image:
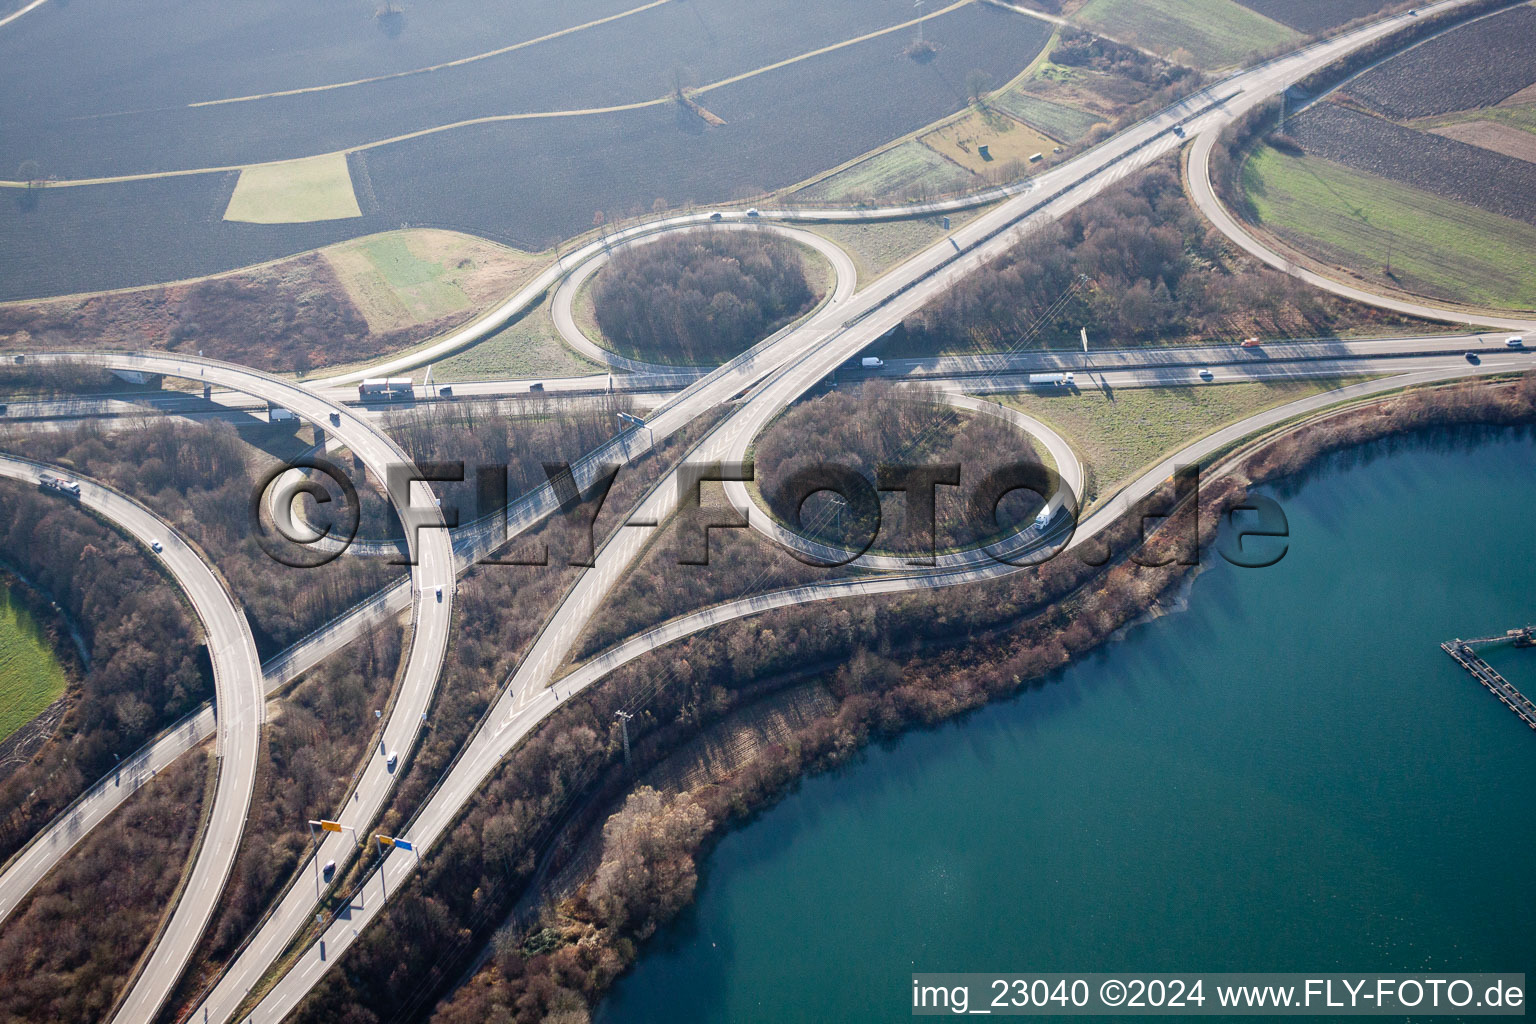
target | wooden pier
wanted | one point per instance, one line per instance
(1509, 696)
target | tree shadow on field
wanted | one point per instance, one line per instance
(26, 199)
(391, 23)
(689, 121)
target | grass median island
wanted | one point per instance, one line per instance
(1121, 433)
(1437, 247)
(295, 192)
(530, 346)
(877, 246)
(31, 677)
(1205, 33)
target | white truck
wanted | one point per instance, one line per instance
(61, 484)
(277, 414)
(1050, 380)
(871, 363)
(385, 389)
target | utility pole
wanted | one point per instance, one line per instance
(624, 717)
(1281, 127)
(917, 5)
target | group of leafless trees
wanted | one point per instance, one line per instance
(147, 664)
(200, 477)
(699, 299)
(1156, 272)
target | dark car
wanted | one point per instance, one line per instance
(1473, 359)
(538, 386)
(445, 392)
(717, 215)
(335, 419)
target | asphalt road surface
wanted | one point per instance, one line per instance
(239, 711)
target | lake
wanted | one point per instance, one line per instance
(1288, 774)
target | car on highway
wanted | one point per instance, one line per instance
(1515, 341)
(329, 871)
(536, 386)
(439, 593)
(1178, 130)
(1473, 358)
(1250, 343)
(753, 212)
(1207, 375)
(717, 215)
(445, 392)
(335, 419)
(156, 546)
(392, 760)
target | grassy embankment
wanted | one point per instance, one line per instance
(1204, 33)
(31, 678)
(1437, 247)
(406, 278)
(1118, 436)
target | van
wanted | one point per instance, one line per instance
(1515, 341)
(392, 760)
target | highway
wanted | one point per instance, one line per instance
(1280, 361)
(565, 293)
(434, 569)
(782, 370)
(239, 710)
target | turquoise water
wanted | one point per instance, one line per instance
(1288, 775)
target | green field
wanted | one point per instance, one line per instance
(1204, 33)
(901, 172)
(530, 347)
(1438, 248)
(31, 678)
(420, 284)
(1120, 435)
(294, 192)
(1066, 123)
(1522, 116)
(879, 245)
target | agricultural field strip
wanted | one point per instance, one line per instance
(141, 145)
(239, 695)
(1311, 17)
(528, 183)
(463, 778)
(127, 58)
(1203, 193)
(1443, 166)
(1470, 66)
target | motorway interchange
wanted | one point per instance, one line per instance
(762, 382)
